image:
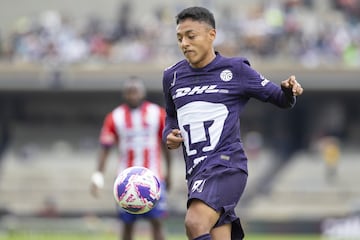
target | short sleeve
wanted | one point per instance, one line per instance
(108, 135)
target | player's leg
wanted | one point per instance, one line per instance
(157, 229)
(233, 184)
(213, 196)
(128, 220)
(157, 214)
(222, 232)
(200, 219)
(231, 231)
(128, 231)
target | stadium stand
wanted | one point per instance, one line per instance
(301, 191)
(305, 32)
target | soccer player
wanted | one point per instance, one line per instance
(205, 94)
(136, 127)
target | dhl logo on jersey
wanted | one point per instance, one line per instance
(187, 91)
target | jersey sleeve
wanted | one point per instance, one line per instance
(162, 117)
(171, 115)
(108, 136)
(257, 86)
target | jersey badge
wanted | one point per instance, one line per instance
(226, 75)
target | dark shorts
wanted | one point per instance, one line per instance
(158, 212)
(221, 188)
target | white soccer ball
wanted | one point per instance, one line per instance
(137, 190)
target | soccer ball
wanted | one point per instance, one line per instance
(137, 190)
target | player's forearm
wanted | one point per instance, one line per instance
(97, 177)
(170, 124)
(283, 98)
(102, 159)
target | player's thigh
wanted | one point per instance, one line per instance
(222, 232)
(200, 216)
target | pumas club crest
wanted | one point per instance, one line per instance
(226, 75)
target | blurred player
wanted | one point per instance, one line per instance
(135, 127)
(330, 150)
(205, 94)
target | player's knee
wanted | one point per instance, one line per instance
(195, 227)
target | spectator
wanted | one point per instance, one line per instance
(135, 127)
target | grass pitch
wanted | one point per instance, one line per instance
(112, 236)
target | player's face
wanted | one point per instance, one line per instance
(195, 40)
(133, 97)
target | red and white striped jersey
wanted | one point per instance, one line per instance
(137, 133)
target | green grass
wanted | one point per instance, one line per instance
(112, 236)
(283, 237)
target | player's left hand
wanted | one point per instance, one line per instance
(291, 82)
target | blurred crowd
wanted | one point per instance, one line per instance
(307, 32)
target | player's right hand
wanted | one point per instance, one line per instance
(174, 139)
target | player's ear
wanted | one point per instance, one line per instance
(212, 34)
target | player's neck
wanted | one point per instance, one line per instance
(206, 61)
(135, 106)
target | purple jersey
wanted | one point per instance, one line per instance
(206, 103)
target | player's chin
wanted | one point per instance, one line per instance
(193, 61)
(190, 58)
